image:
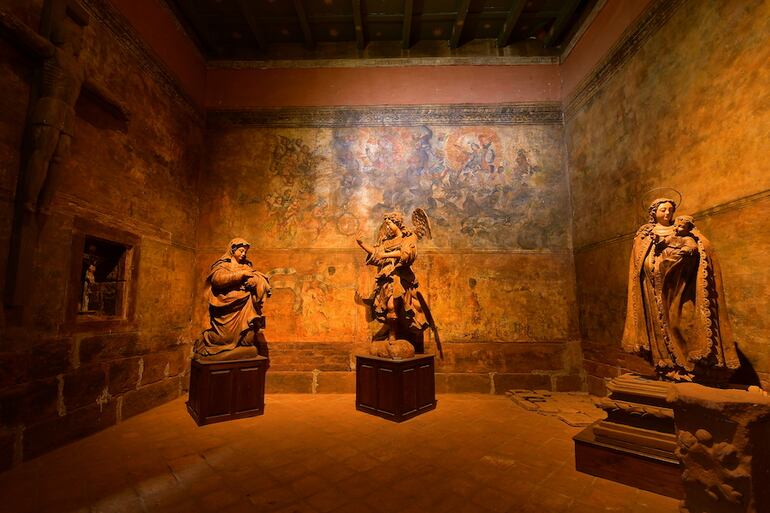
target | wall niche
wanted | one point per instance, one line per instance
(103, 277)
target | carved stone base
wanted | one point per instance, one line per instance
(226, 390)
(636, 443)
(724, 444)
(396, 390)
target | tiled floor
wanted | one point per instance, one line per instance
(316, 453)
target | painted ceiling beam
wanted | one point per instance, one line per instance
(406, 38)
(359, 24)
(457, 28)
(256, 31)
(302, 15)
(561, 22)
(510, 21)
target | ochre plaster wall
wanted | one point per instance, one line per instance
(497, 274)
(60, 382)
(689, 110)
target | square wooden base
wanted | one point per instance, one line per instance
(226, 390)
(396, 390)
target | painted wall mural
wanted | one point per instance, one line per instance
(484, 187)
(497, 273)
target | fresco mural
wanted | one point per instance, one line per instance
(484, 187)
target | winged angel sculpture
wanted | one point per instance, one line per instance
(396, 301)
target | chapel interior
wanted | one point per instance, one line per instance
(140, 138)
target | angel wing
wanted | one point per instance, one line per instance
(421, 224)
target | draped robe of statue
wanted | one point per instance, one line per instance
(235, 306)
(676, 314)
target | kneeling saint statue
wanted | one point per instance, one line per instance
(236, 294)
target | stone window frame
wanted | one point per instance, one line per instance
(85, 228)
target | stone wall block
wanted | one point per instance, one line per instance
(29, 402)
(289, 382)
(7, 445)
(505, 382)
(463, 383)
(158, 366)
(569, 383)
(109, 347)
(123, 375)
(336, 383)
(84, 386)
(49, 358)
(14, 367)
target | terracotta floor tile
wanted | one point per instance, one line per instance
(317, 454)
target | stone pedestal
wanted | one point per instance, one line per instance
(636, 443)
(724, 445)
(226, 390)
(396, 390)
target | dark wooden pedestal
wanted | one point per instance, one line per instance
(396, 390)
(226, 390)
(650, 472)
(635, 445)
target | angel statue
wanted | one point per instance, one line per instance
(396, 300)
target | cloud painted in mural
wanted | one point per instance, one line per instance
(499, 187)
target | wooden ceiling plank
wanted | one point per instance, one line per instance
(457, 28)
(510, 21)
(561, 22)
(407, 33)
(299, 8)
(359, 24)
(256, 31)
(200, 28)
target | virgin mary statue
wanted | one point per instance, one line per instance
(676, 316)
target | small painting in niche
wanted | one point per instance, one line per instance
(102, 278)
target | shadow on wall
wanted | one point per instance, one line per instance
(745, 375)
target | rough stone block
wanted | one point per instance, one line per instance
(123, 375)
(336, 383)
(289, 382)
(462, 383)
(49, 358)
(150, 396)
(505, 382)
(48, 435)
(596, 386)
(7, 443)
(569, 383)
(83, 386)
(14, 367)
(29, 402)
(159, 366)
(601, 369)
(109, 347)
(512, 357)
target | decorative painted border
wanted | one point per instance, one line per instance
(127, 37)
(632, 40)
(545, 113)
(384, 62)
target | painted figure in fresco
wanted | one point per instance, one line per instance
(236, 295)
(676, 315)
(396, 300)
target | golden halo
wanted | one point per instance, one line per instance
(661, 192)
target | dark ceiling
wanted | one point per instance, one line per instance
(340, 29)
